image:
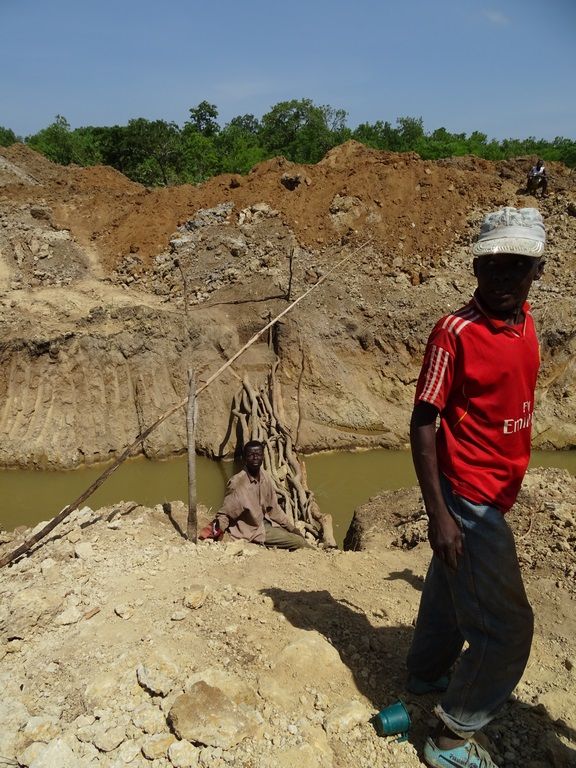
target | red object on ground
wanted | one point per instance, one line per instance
(211, 531)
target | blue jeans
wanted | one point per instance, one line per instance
(482, 603)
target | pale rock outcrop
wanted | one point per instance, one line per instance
(206, 715)
(298, 663)
(182, 754)
(154, 681)
(56, 755)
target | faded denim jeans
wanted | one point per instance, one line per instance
(482, 603)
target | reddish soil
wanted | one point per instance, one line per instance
(399, 197)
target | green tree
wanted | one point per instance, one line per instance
(565, 151)
(238, 145)
(203, 119)
(200, 156)
(438, 144)
(86, 147)
(477, 143)
(492, 151)
(153, 151)
(442, 143)
(378, 135)
(248, 124)
(301, 131)
(158, 152)
(7, 137)
(55, 141)
(411, 133)
(111, 145)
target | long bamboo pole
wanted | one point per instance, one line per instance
(192, 521)
(23, 548)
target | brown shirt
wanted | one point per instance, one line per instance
(247, 503)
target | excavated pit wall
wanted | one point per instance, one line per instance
(94, 349)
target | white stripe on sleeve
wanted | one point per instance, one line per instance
(437, 366)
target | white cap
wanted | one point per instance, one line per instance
(511, 230)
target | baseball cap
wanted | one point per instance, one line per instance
(511, 230)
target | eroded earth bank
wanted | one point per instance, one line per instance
(110, 291)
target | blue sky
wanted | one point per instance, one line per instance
(503, 67)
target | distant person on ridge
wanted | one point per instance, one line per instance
(250, 510)
(538, 172)
(478, 377)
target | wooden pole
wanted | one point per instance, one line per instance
(191, 413)
(23, 548)
(290, 274)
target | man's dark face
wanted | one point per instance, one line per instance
(504, 281)
(253, 458)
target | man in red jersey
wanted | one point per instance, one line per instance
(478, 376)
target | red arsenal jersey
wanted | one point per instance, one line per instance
(481, 375)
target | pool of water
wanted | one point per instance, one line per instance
(341, 482)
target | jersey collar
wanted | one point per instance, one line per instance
(500, 325)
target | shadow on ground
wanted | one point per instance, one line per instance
(523, 735)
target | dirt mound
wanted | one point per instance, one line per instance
(353, 190)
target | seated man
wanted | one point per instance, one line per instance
(250, 509)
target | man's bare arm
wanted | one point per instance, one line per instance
(443, 532)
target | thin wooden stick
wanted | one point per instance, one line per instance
(192, 522)
(23, 548)
(290, 273)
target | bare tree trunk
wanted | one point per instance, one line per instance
(191, 414)
(325, 521)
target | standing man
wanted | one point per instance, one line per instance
(479, 376)
(539, 173)
(250, 509)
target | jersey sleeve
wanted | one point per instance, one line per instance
(437, 373)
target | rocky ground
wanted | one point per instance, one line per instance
(109, 291)
(124, 644)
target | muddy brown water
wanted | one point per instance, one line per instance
(341, 482)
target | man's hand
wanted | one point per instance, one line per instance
(211, 531)
(444, 534)
(445, 538)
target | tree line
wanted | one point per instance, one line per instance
(157, 152)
